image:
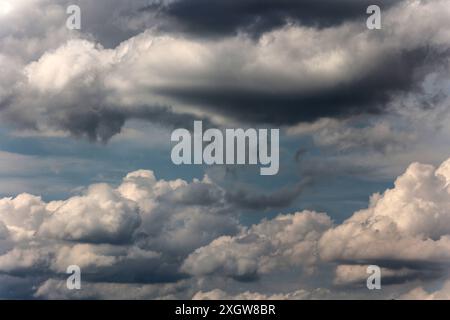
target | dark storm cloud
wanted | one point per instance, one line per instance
(101, 124)
(399, 72)
(225, 17)
(289, 75)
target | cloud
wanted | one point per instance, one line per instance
(297, 73)
(218, 294)
(286, 241)
(349, 135)
(136, 232)
(3, 231)
(404, 231)
(223, 18)
(282, 198)
(356, 275)
(406, 226)
(54, 289)
(159, 239)
(101, 216)
(296, 65)
(420, 293)
(379, 148)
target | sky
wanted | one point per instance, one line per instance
(86, 176)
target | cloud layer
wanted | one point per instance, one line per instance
(311, 67)
(178, 239)
(288, 74)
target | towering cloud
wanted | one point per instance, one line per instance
(407, 225)
(166, 237)
(138, 231)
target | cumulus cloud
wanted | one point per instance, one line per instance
(159, 239)
(286, 241)
(309, 66)
(23, 215)
(218, 294)
(137, 232)
(404, 231)
(406, 226)
(222, 18)
(297, 73)
(57, 290)
(102, 215)
(420, 293)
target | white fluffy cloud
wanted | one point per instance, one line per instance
(138, 229)
(22, 215)
(102, 215)
(284, 242)
(148, 230)
(409, 223)
(405, 231)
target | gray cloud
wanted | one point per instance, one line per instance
(225, 18)
(256, 201)
(153, 238)
(355, 276)
(405, 227)
(365, 94)
(56, 289)
(288, 75)
(419, 293)
(218, 294)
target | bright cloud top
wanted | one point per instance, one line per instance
(160, 233)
